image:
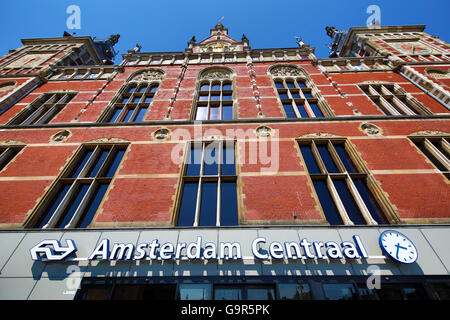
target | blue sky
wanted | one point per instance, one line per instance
(169, 25)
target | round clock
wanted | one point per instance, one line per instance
(412, 48)
(398, 246)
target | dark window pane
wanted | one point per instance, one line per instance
(6, 155)
(72, 206)
(339, 291)
(345, 159)
(290, 114)
(227, 87)
(148, 99)
(310, 161)
(153, 88)
(188, 204)
(99, 161)
(370, 202)
(142, 89)
(438, 145)
(430, 156)
(414, 292)
(140, 115)
(128, 115)
(195, 291)
(211, 159)
(131, 90)
(295, 95)
(440, 291)
(366, 294)
(208, 207)
(128, 292)
(55, 203)
(154, 292)
(294, 291)
(260, 293)
(228, 293)
(283, 96)
(115, 163)
(301, 84)
(290, 84)
(136, 99)
(307, 95)
(124, 100)
(117, 111)
(101, 293)
(401, 292)
(227, 113)
(228, 204)
(93, 206)
(327, 159)
(195, 159)
(315, 108)
(349, 203)
(327, 203)
(390, 292)
(279, 85)
(302, 110)
(228, 160)
(81, 165)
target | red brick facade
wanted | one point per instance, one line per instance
(145, 190)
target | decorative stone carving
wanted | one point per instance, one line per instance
(286, 71)
(6, 86)
(438, 73)
(429, 133)
(263, 131)
(370, 129)
(218, 46)
(149, 75)
(320, 135)
(10, 143)
(161, 134)
(60, 136)
(109, 140)
(216, 74)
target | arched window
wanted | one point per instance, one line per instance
(298, 94)
(214, 98)
(135, 97)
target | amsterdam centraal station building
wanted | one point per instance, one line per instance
(227, 172)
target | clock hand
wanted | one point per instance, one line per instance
(398, 249)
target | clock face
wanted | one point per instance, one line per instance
(398, 246)
(30, 60)
(412, 48)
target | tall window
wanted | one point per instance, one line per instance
(437, 150)
(209, 190)
(134, 98)
(393, 100)
(7, 153)
(297, 95)
(77, 194)
(342, 189)
(215, 95)
(43, 109)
